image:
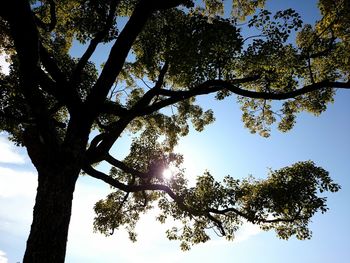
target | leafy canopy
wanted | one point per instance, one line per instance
(164, 54)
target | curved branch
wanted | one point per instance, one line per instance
(46, 83)
(103, 142)
(105, 178)
(96, 140)
(53, 18)
(130, 188)
(228, 210)
(153, 92)
(181, 203)
(106, 140)
(122, 166)
(218, 224)
(212, 86)
(287, 95)
(254, 219)
(208, 87)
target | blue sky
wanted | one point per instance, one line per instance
(225, 147)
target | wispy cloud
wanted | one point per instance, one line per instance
(3, 258)
(8, 153)
(247, 231)
(17, 194)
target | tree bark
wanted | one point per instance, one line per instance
(52, 211)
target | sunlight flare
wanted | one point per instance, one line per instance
(169, 172)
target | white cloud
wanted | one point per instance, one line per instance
(247, 231)
(17, 195)
(3, 258)
(17, 183)
(8, 153)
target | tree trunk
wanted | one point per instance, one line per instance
(52, 211)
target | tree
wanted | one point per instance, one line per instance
(167, 54)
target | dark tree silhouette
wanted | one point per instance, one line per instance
(167, 54)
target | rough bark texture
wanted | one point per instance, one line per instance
(52, 211)
(58, 170)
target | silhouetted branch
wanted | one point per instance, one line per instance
(208, 87)
(113, 108)
(102, 143)
(129, 188)
(253, 218)
(111, 160)
(212, 86)
(66, 93)
(180, 201)
(149, 95)
(94, 42)
(218, 224)
(118, 54)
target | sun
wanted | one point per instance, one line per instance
(169, 172)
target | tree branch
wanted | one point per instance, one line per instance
(106, 140)
(212, 86)
(149, 95)
(26, 40)
(113, 108)
(111, 160)
(310, 70)
(94, 42)
(161, 4)
(180, 201)
(255, 36)
(117, 57)
(47, 84)
(254, 219)
(129, 188)
(102, 143)
(65, 93)
(105, 178)
(287, 95)
(218, 224)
